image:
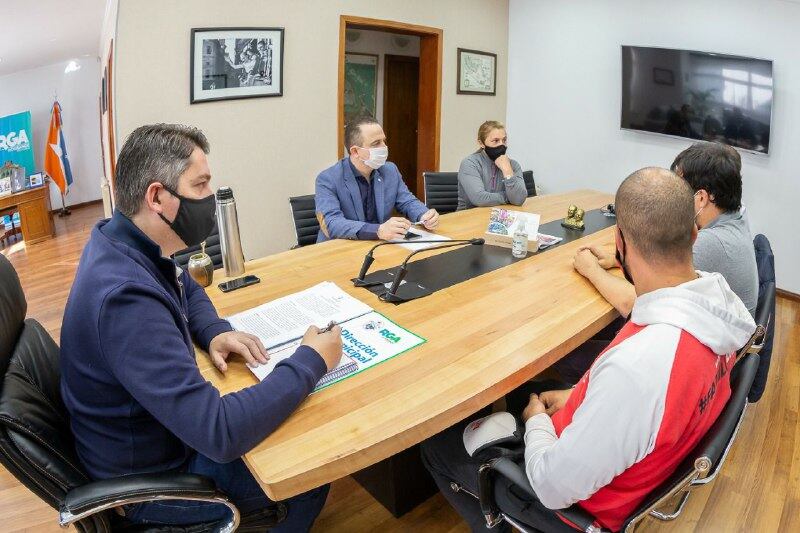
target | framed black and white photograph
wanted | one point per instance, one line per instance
(231, 63)
(477, 72)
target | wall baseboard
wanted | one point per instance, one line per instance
(789, 295)
(78, 206)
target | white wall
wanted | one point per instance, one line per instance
(381, 43)
(268, 149)
(564, 97)
(32, 90)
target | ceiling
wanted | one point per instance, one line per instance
(42, 32)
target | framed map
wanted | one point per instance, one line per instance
(360, 85)
(477, 72)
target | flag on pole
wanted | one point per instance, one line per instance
(56, 163)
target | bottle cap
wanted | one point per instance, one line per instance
(224, 193)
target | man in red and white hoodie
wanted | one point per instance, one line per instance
(650, 397)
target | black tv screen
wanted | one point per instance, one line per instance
(698, 95)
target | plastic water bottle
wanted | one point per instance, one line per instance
(229, 240)
(519, 244)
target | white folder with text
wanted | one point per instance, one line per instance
(368, 338)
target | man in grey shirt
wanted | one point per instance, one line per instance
(489, 177)
(723, 245)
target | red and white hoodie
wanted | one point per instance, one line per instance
(644, 404)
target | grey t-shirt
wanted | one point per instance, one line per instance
(726, 246)
(482, 184)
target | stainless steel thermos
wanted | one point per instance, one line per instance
(229, 240)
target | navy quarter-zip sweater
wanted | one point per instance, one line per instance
(129, 379)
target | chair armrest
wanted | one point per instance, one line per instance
(100, 495)
(515, 474)
(508, 469)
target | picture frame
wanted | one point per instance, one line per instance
(36, 180)
(235, 63)
(477, 72)
(360, 85)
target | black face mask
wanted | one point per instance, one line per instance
(621, 261)
(495, 151)
(194, 220)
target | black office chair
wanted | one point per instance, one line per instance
(213, 249)
(304, 214)
(37, 447)
(765, 313)
(530, 185)
(441, 191)
(699, 467)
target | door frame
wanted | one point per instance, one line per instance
(429, 116)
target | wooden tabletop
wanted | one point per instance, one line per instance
(486, 336)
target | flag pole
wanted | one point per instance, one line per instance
(65, 211)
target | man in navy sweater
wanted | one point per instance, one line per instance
(136, 398)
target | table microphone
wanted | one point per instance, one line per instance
(391, 294)
(368, 259)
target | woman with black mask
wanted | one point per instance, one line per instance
(489, 177)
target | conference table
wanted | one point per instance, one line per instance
(485, 337)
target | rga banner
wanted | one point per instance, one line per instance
(16, 141)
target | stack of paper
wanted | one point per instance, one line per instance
(420, 234)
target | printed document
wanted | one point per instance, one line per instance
(287, 319)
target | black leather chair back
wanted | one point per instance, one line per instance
(213, 249)
(717, 440)
(304, 214)
(36, 443)
(441, 191)
(530, 185)
(765, 312)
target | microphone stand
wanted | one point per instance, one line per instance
(391, 294)
(369, 258)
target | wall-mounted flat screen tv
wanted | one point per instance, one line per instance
(698, 95)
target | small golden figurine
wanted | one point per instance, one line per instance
(574, 218)
(579, 219)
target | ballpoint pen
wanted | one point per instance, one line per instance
(329, 327)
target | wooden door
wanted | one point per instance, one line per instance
(400, 113)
